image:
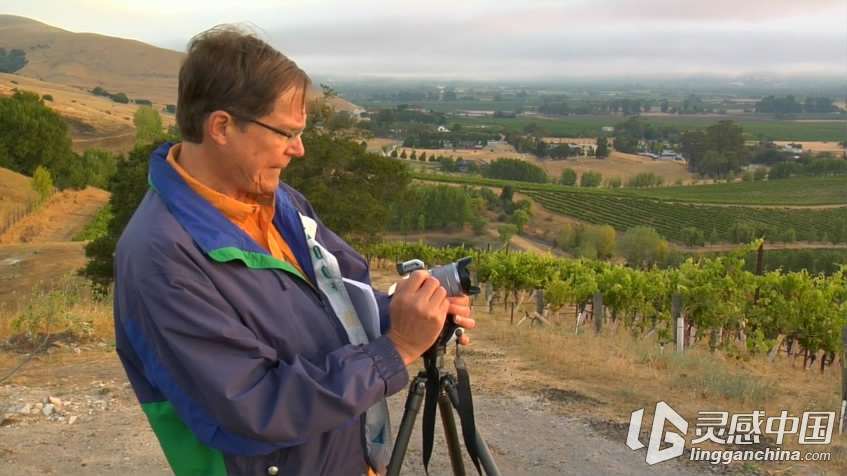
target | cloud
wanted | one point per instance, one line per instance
(500, 38)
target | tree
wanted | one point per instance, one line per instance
(507, 232)
(32, 135)
(604, 238)
(520, 218)
(602, 148)
(590, 179)
(148, 125)
(346, 185)
(507, 193)
(568, 177)
(642, 246)
(42, 183)
(478, 224)
(127, 185)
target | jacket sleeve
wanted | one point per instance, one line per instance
(223, 381)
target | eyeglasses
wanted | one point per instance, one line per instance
(287, 135)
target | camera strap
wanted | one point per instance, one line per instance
(465, 410)
(466, 414)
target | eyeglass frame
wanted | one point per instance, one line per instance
(288, 135)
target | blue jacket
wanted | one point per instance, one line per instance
(240, 364)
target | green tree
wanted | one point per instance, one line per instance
(590, 179)
(32, 134)
(520, 218)
(568, 177)
(127, 186)
(604, 238)
(99, 166)
(693, 236)
(602, 148)
(506, 232)
(148, 125)
(642, 246)
(506, 194)
(42, 183)
(478, 224)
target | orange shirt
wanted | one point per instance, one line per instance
(255, 218)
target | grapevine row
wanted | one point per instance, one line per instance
(717, 293)
(669, 219)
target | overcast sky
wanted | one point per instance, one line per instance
(491, 38)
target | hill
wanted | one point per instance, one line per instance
(83, 61)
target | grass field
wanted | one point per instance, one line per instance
(754, 128)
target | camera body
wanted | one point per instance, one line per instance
(454, 277)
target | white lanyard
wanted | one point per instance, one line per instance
(331, 282)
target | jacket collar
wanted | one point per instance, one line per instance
(213, 232)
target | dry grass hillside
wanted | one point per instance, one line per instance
(90, 117)
(69, 65)
(86, 60)
(15, 194)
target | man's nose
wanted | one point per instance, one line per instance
(296, 148)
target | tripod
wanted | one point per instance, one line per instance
(438, 385)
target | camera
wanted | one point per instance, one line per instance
(455, 278)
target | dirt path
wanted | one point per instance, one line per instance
(63, 216)
(70, 413)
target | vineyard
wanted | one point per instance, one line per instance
(799, 191)
(740, 312)
(671, 219)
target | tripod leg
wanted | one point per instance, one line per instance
(485, 459)
(452, 436)
(413, 405)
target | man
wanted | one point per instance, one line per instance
(232, 318)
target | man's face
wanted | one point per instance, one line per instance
(255, 157)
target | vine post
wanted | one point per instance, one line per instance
(597, 312)
(539, 301)
(679, 321)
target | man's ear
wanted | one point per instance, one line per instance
(218, 127)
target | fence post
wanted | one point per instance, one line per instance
(489, 295)
(597, 312)
(679, 321)
(539, 301)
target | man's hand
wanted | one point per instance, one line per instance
(460, 306)
(418, 309)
